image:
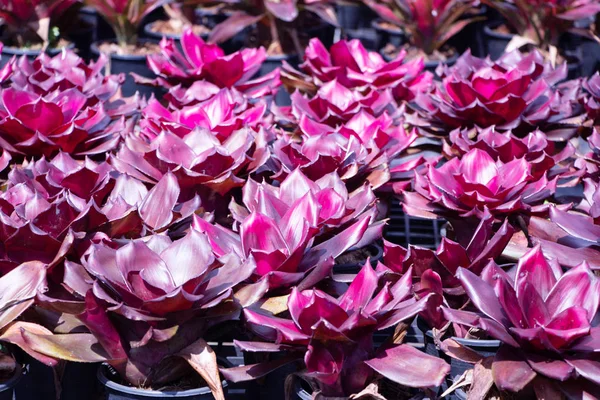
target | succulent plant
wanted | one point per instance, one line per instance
(34, 125)
(474, 184)
(336, 337)
(543, 154)
(518, 91)
(433, 271)
(149, 302)
(337, 207)
(334, 104)
(352, 66)
(51, 204)
(208, 62)
(287, 242)
(45, 75)
(544, 318)
(222, 114)
(361, 149)
(209, 148)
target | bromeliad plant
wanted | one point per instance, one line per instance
(434, 271)
(30, 23)
(149, 303)
(544, 155)
(222, 114)
(296, 230)
(334, 104)
(352, 66)
(280, 18)
(51, 207)
(429, 24)
(360, 150)
(475, 184)
(125, 17)
(201, 61)
(35, 125)
(335, 337)
(518, 91)
(542, 23)
(209, 147)
(45, 75)
(545, 319)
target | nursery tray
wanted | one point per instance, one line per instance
(404, 230)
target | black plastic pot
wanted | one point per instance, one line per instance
(9, 52)
(324, 32)
(496, 45)
(7, 388)
(471, 36)
(82, 38)
(272, 385)
(116, 391)
(79, 381)
(103, 29)
(591, 61)
(393, 36)
(352, 15)
(431, 66)
(129, 63)
(575, 63)
(495, 42)
(486, 348)
(282, 98)
(376, 252)
(368, 37)
(37, 381)
(210, 17)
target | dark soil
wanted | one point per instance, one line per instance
(62, 43)
(358, 256)
(141, 49)
(441, 55)
(171, 27)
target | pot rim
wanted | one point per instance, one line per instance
(422, 325)
(13, 380)
(107, 382)
(17, 51)
(428, 64)
(488, 30)
(95, 49)
(281, 57)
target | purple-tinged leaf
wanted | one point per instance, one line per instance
(408, 366)
(482, 295)
(204, 361)
(157, 208)
(511, 372)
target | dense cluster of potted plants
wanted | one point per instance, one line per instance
(224, 193)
